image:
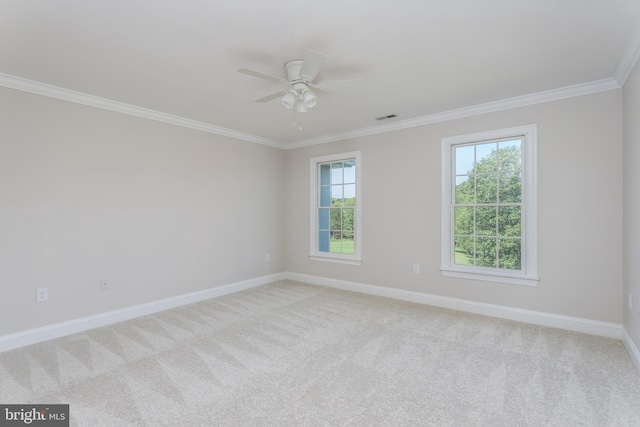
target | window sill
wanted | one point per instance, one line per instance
(513, 279)
(347, 261)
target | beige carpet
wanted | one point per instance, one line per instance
(295, 354)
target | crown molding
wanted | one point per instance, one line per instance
(19, 83)
(629, 57)
(489, 107)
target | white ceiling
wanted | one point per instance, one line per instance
(418, 58)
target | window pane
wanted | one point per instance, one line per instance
(464, 159)
(464, 189)
(509, 254)
(463, 220)
(510, 188)
(323, 241)
(350, 171)
(349, 192)
(347, 219)
(325, 196)
(336, 219)
(464, 249)
(323, 219)
(336, 173)
(510, 155)
(486, 220)
(348, 243)
(509, 221)
(336, 241)
(487, 188)
(324, 174)
(486, 158)
(486, 252)
(337, 193)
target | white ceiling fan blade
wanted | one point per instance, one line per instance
(271, 97)
(262, 75)
(335, 85)
(313, 62)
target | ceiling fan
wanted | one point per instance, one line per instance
(300, 76)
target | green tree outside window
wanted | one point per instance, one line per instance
(488, 204)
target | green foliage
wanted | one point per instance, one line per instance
(342, 216)
(341, 223)
(342, 246)
(487, 233)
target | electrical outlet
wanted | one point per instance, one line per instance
(42, 294)
(104, 285)
(267, 257)
(416, 268)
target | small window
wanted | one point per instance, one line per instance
(335, 212)
(489, 206)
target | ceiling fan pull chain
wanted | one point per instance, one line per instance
(297, 119)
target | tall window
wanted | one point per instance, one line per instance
(489, 206)
(335, 212)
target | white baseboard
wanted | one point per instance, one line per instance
(611, 330)
(632, 349)
(33, 336)
(576, 324)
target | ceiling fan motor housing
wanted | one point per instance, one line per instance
(293, 69)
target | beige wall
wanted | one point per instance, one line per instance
(158, 210)
(579, 196)
(632, 204)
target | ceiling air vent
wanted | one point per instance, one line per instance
(390, 116)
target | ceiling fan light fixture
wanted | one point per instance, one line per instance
(301, 108)
(309, 98)
(290, 99)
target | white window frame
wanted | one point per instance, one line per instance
(315, 254)
(529, 274)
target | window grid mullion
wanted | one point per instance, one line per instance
(475, 205)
